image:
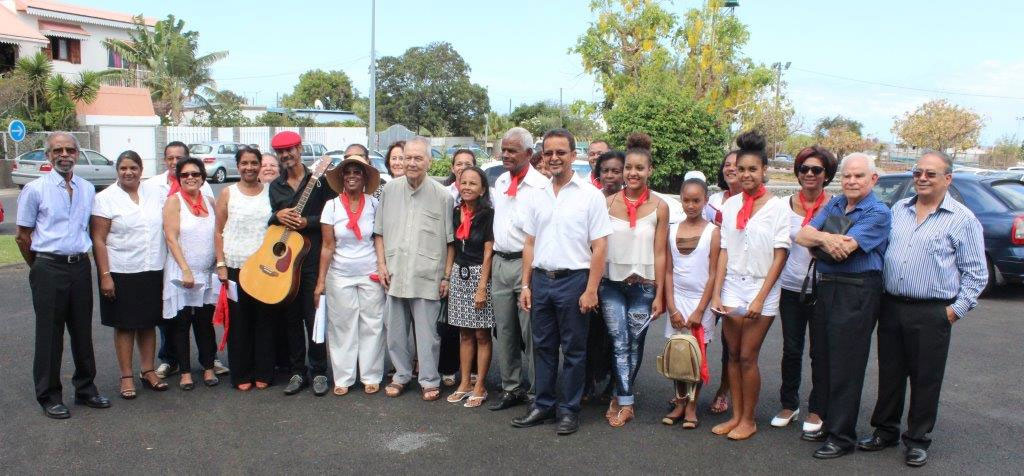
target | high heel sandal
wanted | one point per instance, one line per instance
(127, 394)
(160, 386)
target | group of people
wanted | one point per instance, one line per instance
(432, 278)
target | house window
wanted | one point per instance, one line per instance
(114, 59)
(65, 49)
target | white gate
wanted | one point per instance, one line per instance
(189, 135)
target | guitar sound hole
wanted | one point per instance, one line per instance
(280, 249)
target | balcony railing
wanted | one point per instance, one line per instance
(130, 78)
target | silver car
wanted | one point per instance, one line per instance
(218, 157)
(91, 166)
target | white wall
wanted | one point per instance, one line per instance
(94, 54)
(117, 139)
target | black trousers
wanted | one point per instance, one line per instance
(200, 320)
(448, 353)
(599, 353)
(62, 298)
(913, 343)
(250, 338)
(299, 316)
(796, 323)
(844, 318)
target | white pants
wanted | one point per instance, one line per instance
(355, 328)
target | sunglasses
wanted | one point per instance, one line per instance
(190, 175)
(917, 173)
(813, 169)
(63, 150)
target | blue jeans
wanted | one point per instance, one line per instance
(626, 307)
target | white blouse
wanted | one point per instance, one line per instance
(246, 225)
(352, 257)
(631, 250)
(793, 274)
(136, 240)
(751, 251)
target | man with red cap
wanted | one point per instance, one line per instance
(285, 192)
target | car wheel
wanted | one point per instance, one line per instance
(220, 176)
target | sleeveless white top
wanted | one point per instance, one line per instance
(631, 250)
(195, 236)
(246, 225)
(690, 272)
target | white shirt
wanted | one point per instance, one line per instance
(508, 229)
(159, 183)
(563, 225)
(793, 274)
(676, 213)
(713, 206)
(352, 257)
(136, 239)
(246, 224)
(751, 251)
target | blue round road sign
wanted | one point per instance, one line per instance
(17, 130)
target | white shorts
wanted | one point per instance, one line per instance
(740, 290)
(686, 306)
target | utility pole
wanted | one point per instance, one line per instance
(778, 67)
(561, 119)
(372, 132)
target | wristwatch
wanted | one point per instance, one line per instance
(221, 264)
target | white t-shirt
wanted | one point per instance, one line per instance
(751, 251)
(563, 225)
(508, 229)
(352, 257)
(136, 239)
(792, 277)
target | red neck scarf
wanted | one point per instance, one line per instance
(632, 207)
(353, 217)
(718, 211)
(175, 184)
(597, 182)
(197, 207)
(748, 207)
(513, 185)
(462, 233)
(810, 209)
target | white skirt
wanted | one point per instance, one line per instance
(686, 306)
(741, 290)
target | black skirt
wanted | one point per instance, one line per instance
(137, 303)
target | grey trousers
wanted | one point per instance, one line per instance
(399, 313)
(514, 340)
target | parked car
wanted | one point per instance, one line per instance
(1010, 174)
(1015, 168)
(376, 160)
(312, 151)
(218, 157)
(91, 165)
(999, 205)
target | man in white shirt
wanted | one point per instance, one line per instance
(566, 226)
(514, 341)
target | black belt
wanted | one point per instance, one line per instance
(509, 256)
(910, 300)
(69, 259)
(855, 279)
(558, 273)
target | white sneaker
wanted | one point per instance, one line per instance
(165, 370)
(219, 368)
(811, 427)
(781, 422)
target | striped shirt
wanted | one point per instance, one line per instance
(871, 223)
(941, 258)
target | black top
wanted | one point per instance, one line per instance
(471, 252)
(283, 196)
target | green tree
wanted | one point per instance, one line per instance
(685, 136)
(796, 142)
(775, 119)
(221, 108)
(333, 88)
(1004, 153)
(176, 72)
(939, 125)
(428, 88)
(827, 123)
(34, 70)
(524, 112)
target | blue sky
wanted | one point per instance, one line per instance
(519, 50)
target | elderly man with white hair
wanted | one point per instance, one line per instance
(849, 291)
(514, 338)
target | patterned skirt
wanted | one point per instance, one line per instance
(462, 288)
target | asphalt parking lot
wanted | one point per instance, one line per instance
(219, 430)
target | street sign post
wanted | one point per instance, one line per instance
(16, 129)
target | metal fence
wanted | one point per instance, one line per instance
(36, 140)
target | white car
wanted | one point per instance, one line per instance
(91, 166)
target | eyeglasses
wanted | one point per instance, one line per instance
(560, 153)
(63, 150)
(190, 175)
(813, 169)
(917, 173)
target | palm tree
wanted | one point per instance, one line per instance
(36, 71)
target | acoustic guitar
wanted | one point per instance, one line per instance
(271, 274)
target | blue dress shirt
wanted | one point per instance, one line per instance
(871, 222)
(60, 221)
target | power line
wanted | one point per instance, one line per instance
(911, 88)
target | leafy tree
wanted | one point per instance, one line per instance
(428, 88)
(176, 70)
(524, 112)
(333, 88)
(13, 93)
(539, 117)
(61, 96)
(221, 108)
(685, 136)
(796, 142)
(841, 141)
(1004, 153)
(774, 119)
(939, 125)
(34, 70)
(827, 123)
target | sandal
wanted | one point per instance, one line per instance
(430, 394)
(394, 389)
(620, 419)
(457, 396)
(721, 404)
(690, 424)
(340, 391)
(159, 386)
(371, 388)
(244, 387)
(613, 409)
(261, 385)
(672, 420)
(475, 400)
(128, 393)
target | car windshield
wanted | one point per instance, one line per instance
(34, 156)
(199, 149)
(1012, 193)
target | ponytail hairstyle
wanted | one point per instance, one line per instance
(640, 144)
(751, 143)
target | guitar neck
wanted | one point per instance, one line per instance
(306, 192)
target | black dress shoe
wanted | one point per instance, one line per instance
(320, 385)
(875, 443)
(830, 450)
(94, 401)
(916, 457)
(568, 424)
(295, 385)
(57, 411)
(818, 436)
(535, 417)
(508, 400)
